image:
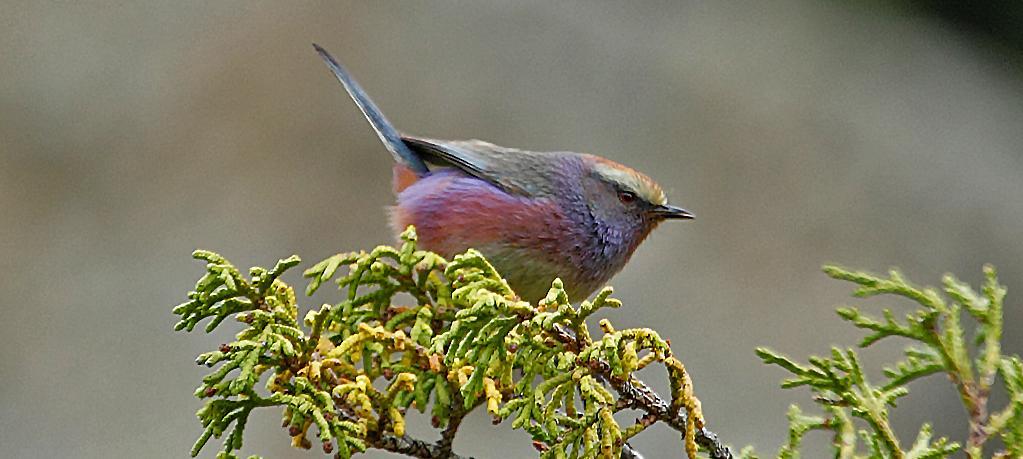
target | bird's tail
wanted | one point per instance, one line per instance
(385, 130)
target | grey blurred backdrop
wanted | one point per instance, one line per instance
(800, 133)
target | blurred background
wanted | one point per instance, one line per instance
(872, 135)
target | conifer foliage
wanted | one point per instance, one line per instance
(352, 371)
(348, 374)
(938, 346)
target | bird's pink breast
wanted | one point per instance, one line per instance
(452, 212)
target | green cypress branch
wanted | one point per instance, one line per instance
(353, 369)
(935, 328)
(467, 341)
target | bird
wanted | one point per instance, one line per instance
(535, 216)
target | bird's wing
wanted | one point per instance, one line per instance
(513, 170)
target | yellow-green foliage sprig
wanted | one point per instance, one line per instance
(509, 343)
(466, 340)
(939, 346)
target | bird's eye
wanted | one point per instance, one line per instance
(626, 197)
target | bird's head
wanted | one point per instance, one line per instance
(625, 200)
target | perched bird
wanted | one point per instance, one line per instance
(535, 215)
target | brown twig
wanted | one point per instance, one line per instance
(637, 395)
(447, 437)
(408, 446)
(414, 447)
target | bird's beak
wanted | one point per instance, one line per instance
(667, 211)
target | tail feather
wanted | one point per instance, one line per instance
(385, 130)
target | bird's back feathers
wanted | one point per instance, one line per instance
(501, 166)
